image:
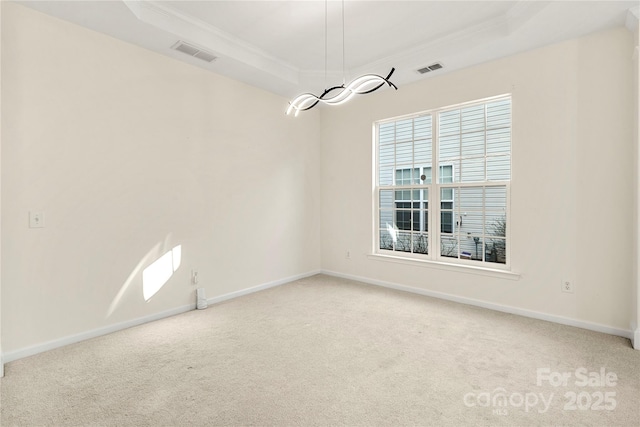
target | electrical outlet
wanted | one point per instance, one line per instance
(194, 277)
(567, 286)
(347, 254)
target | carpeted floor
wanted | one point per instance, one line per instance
(327, 351)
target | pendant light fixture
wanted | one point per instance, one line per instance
(337, 95)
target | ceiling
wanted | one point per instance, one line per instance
(279, 46)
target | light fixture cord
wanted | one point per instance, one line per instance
(325, 42)
(344, 78)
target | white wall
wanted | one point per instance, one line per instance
(128, 154)
(571, 208)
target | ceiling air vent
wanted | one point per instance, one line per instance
(194, 51)
(432, 67)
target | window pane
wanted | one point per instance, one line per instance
(449, 246)
(403, 219)
(386, 199)
(386, 175)
(471, 198)
(422, 152)
(498, 168)
(446, 222)
(404, 153)
(499, 141)
(426, 172)
(386, 219)
(499, 113)
(449, 147)
(408, 214)
(420, 243)
(422, 127)
(449, 122)
(403, 195)
(447, 206)
(446, 194)
(471, 223)
(446, 174)
(422, 145)
(495, 251)
(495, 224)
(386, 154)
(407, 176)
(473, 144)
(386, 133)
(496, 198)
(471, 247)
(416, 220)
(472, 170)
(404, 130)
(472, 118)
(403, 242)
(424, 214)
(386, 239)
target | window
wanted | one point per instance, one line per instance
(461, 158)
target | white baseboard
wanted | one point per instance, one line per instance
(72, 339)
(50, 345)
(262, 287)
(636, 338)
(497, 307)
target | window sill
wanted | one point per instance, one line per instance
(469, 269)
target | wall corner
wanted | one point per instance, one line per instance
(633, 24)
(1, 361)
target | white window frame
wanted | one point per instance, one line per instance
(434, 197)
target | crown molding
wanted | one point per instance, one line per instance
(467, 38)
(436, 49)
(284, 77)
(221, 43)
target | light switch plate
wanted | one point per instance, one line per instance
(36, 219)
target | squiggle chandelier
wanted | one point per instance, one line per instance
(363, 84)
(337, 95)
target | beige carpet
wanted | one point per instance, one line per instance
(326, 351)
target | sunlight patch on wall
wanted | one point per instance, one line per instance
(157, 274)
